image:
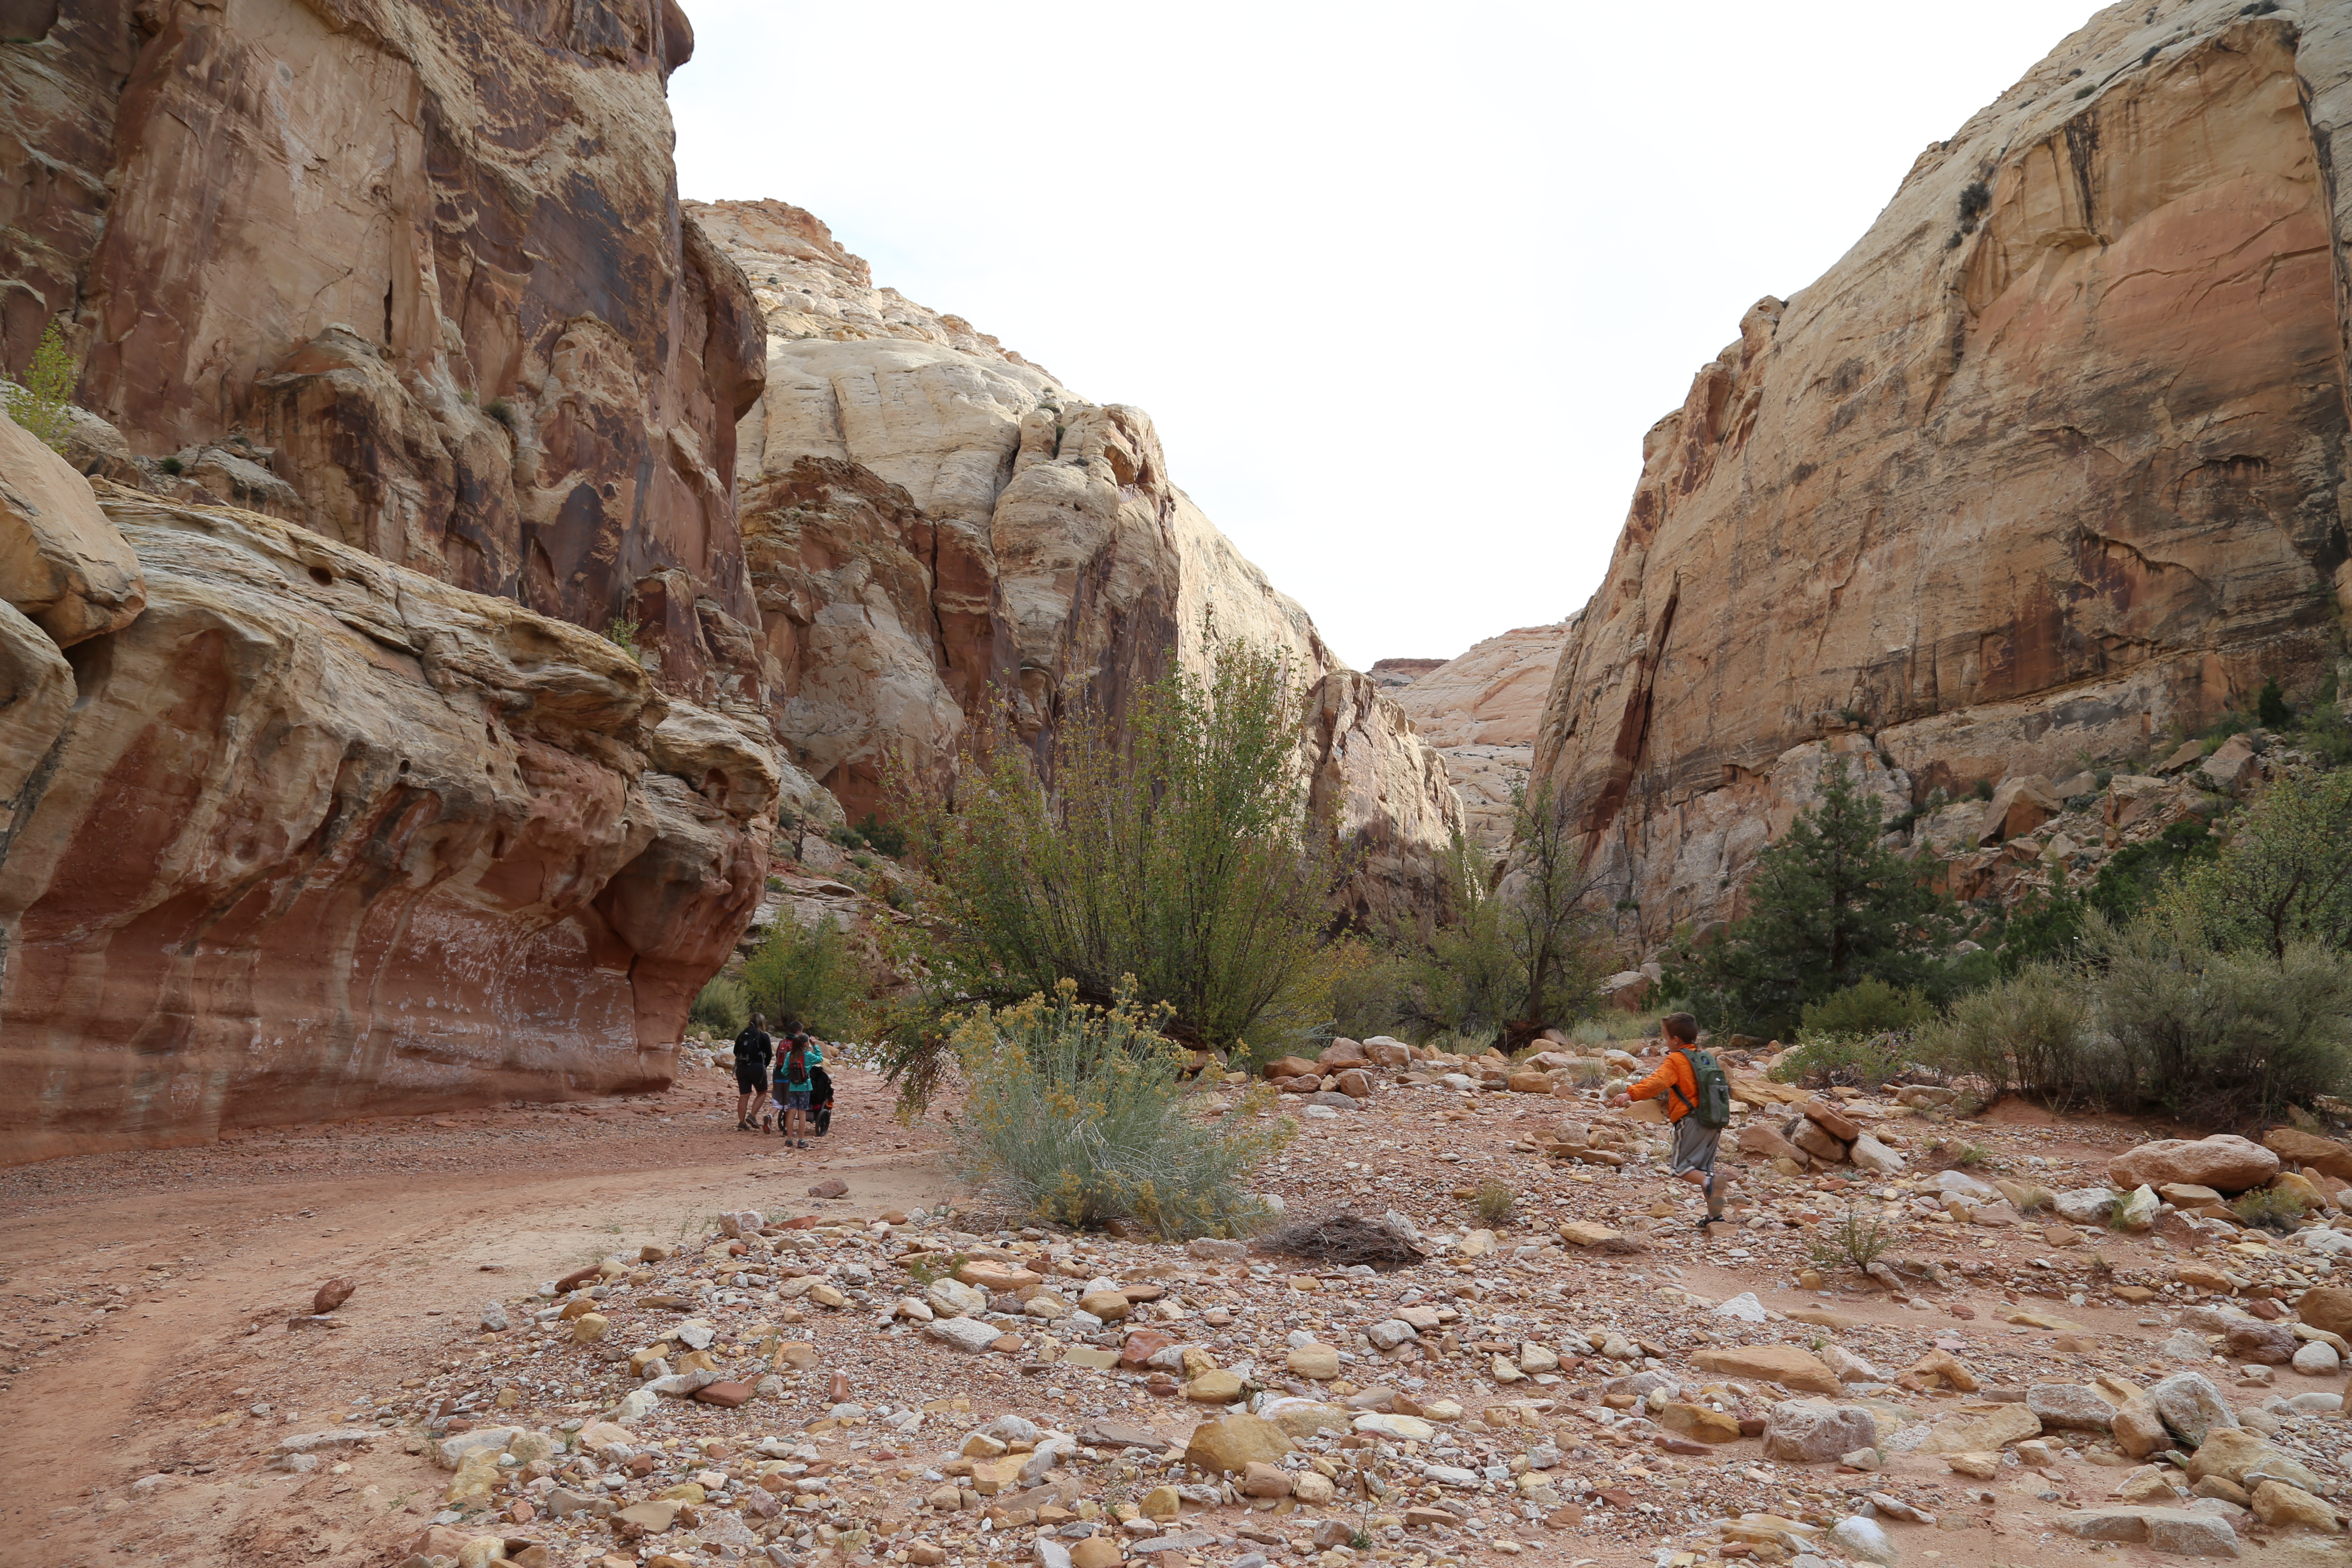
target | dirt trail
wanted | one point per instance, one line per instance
(148, 1293)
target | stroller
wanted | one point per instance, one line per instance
(821, 1100)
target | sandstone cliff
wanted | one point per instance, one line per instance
(414, 274)
(933, 522)
(289, 831)
(2046, 466)
(1480, 713)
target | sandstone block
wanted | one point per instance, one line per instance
(1231, 1444)
(2225, 1161)
(63, 565)
(1814, 1432)
(1787, 1365)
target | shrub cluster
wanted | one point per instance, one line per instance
(1077, 1115)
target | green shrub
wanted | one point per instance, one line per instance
(2033, 1033)
(721, 1006)
(1078, 1115)
(622, 634)
(2270, 1208)
(2271, 710)
(43, 401)
(1494, 1203)
(886, 836)
(804, 975)
(1850, 1062)
(1855, 1240)
(2045, 925)
(2224, 1038)
(1867, 1007)
(2137, 873)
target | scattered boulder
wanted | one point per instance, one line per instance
(1784, 1365)
(2275, 1503)
(2225, 1163)
(2266, 1344)
(1231, 1444)
(2192, 1406)
(2174, 1531)
(2325, 1155)
(1815, 1432)
(2070, 1407)
(1987, 1428)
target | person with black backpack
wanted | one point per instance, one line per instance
(1698, 1103)
(753, 1050)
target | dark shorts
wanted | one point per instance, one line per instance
(749, 1080)
(1694, 1146)
(792, 1099)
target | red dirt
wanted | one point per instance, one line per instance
(201, 1256)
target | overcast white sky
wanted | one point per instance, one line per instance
(1401, 286)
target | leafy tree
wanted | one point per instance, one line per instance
(41, 402)
(2137, 873)
(1829, 906)
(1513, 958)
(805, 976)
(2284, 876)
(1177, 859)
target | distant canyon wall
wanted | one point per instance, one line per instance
(2048, 467)
(934, 523)
(1480, 711)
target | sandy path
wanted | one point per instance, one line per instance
(146, 1294)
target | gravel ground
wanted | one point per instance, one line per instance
(1472, 1406)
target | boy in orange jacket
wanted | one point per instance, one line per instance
(1694, 1154)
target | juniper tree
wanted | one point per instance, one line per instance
(1829, 905)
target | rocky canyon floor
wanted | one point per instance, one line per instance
(1589, 1382)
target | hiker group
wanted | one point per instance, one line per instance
(798, 1101)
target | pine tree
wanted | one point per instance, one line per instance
(1829, 906)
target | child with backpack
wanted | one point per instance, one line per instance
(1698, 1103)
(792, 1086)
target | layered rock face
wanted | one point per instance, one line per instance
(934, 524)
(290, 832)
(413, 275)
(2046, 466)
(1480, 713)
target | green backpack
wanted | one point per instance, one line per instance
(1712, 1107)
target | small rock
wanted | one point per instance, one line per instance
(2317, 1360)
(1863, 1539)
(494, 1318)
(831, 1187)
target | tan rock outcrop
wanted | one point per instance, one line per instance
(933, 524)
(413, 274)
(316, 835)
(2043, 466)
(1481, 712)
(61, 562)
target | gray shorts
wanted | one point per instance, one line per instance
(1694, 1147)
